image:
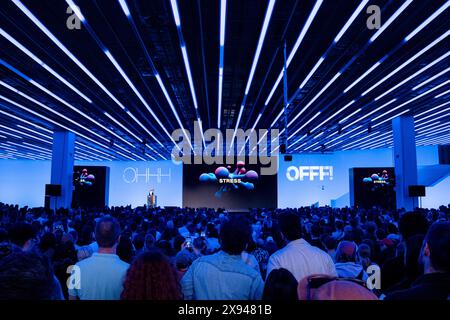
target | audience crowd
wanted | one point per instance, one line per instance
(308, 253)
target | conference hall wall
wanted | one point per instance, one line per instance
(23, 181)
(323, 179)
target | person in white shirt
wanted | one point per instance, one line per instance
(101, 276)
(298, 256)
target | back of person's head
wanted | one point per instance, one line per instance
(200, 244)
(149, 241)
(166, 247)
(371, 227)
(330, 288)
(3, 235)
(20, 233)
(330, 243)
(26, 276)
(151, 277)
(85, 237)
(48, 241)
(184, 259)
(437, 246)
(413, 247)
(125, 249)
(280, 285)
(211, 231)
(107, 231)
(178, 242)
(346, 252)
(139, 240)
(364, 251)
(290, 226)
(65, 251)
(315, 230)
(380, 234)
(364, 255)
(234, 235)
(412, 223)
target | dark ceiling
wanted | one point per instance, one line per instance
(122, 84)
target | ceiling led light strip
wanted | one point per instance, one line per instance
(378, 136)
(302, 145)
(50, 93)
(54, 122)
(420, 127)
(341, 136)
(187, 66)
(31, 55)
(404, 64)
(309, 147)
(395, 15)
(47, 152)
(122, 126)
(428, 20)
(418, 29)
(346, 66)
(50, 109)
(355, 142)
(93, 149)
(390, 118)
(125, 156)
(223, 12)
(251, 131)
(390, 20)
(416, 98)
(352, 18)
(368, 114)
(349, 116)
(34, 131)
(261, 39)
(73, 58)
(315, 98)
(431, 110)
(135, 90)
(442, 94)
(25, 121)
(298, 140)
(45, 66)
(305, 124)
(433, 77)
(25, 134)
(431, 130)
(376, 65)
(444, 56)
(126, 11)
(296, 46)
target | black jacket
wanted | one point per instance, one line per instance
(432, 286)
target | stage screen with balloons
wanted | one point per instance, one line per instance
(374, 187)
(238, 186)
(90, 186)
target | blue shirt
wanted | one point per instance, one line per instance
(101, 277)
(221, 277)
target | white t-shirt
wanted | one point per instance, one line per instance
(302, 260)
(101, 277)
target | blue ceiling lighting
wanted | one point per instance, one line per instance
(223, 15)
(138, 70)
(187, 65)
